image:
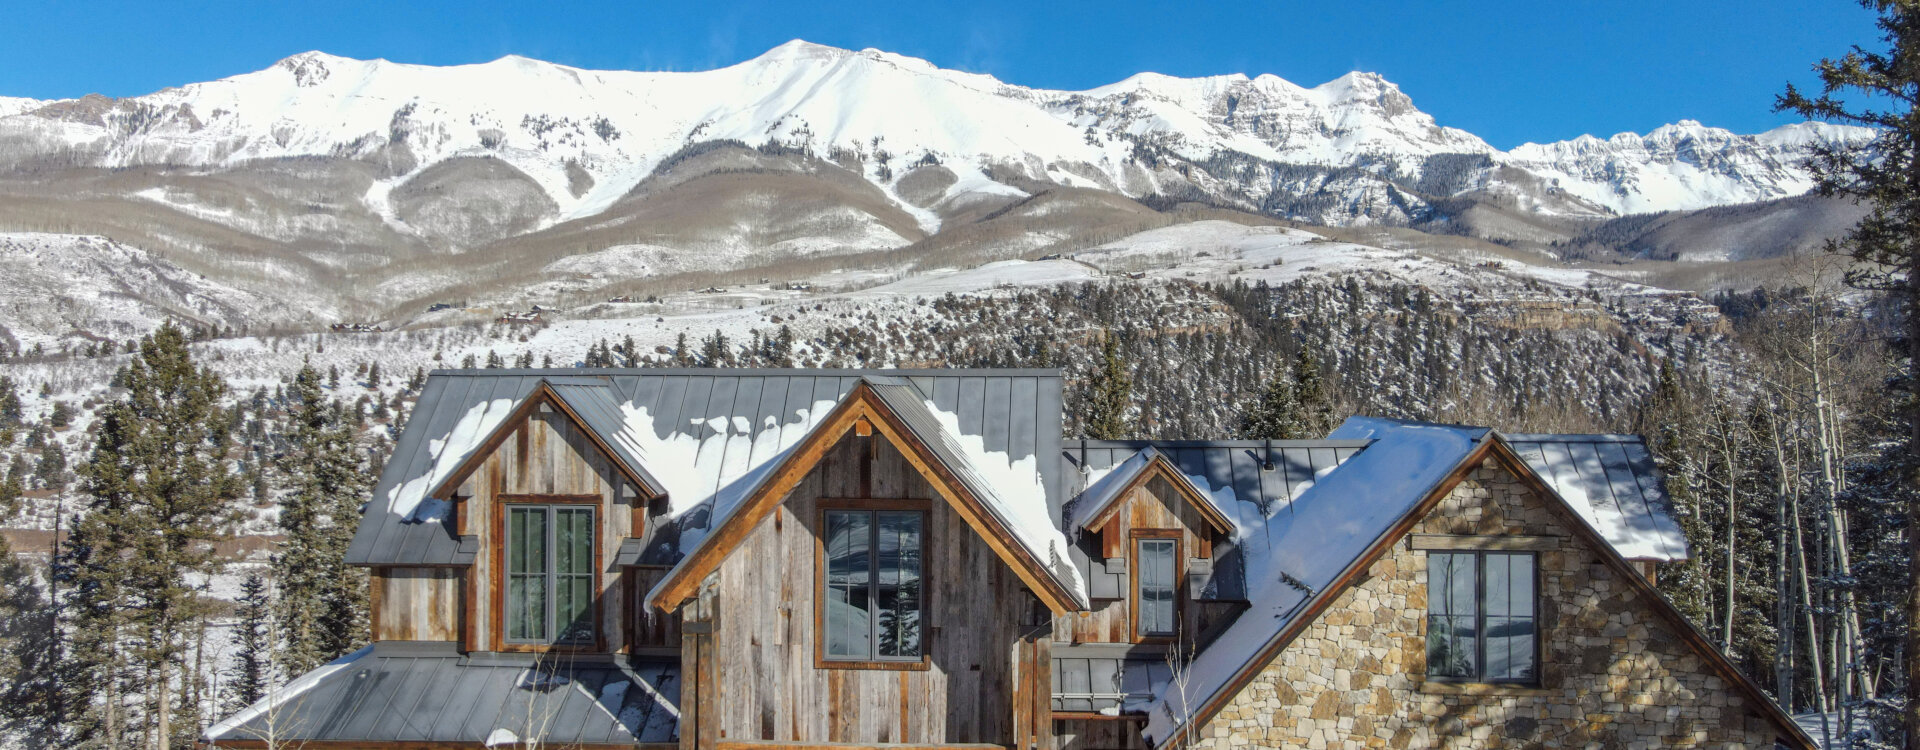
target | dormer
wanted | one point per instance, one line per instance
(1153, 533)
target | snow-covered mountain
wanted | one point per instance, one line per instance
(1352, 150)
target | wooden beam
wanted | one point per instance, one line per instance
(1496, 543)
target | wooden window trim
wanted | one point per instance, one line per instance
(1477, 685)
(1133, 583)
(498, 551)
(820, 660)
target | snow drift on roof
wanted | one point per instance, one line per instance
(1610, 480)
(1105, 489)
(1312, 540)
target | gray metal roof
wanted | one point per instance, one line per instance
(1107, 490)
(1250, 481)
(1611, 481)
(726, 423)
(1109, 678)
(398, 691)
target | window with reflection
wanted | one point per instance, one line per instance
(1156, 587)
(1481, 617)
(873, 584)
(549, 574)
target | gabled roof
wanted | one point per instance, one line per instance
(1004, 499)
(1310, 544)
(1349, 519)
(427, 692)
(695, 434)
(1612, 482)
(1094, 506)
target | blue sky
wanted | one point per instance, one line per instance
(1506, 70)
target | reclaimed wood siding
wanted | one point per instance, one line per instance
(1151, 505)
(416, 604)
(766, 685)
(546, 455)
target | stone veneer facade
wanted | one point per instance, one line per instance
(1615, 674)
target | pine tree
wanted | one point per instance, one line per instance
(51, 471)
(373, 375)
(323, 600)
(629, 352)
(469, 363)
(30, 697)
(1109, 394)
(682, 355)
(493, 360)
(715, 350)
(1316, 417)
(252, 668)
(1880, 89)
(157, 487)
(11, 412)
(1273, 415)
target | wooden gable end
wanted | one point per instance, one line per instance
(756, 626)
(1158, 503)
(541, 453)
(862, 413)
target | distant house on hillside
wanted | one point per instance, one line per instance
(739, 559)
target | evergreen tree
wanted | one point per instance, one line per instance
(629, 352)
(1880, 89)
(252, 668)
(682, 354)
(52, 468)
(1316, 416)
(157, 487)
(419, 379)
(373, 375)
(30, 685)
(716, 351)
(783, 347)
(11, 412)
(1274, 414)
(1109, 394)
(323, 601)
(469, 363)
(493, 360)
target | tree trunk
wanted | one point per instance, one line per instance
(1911, 711)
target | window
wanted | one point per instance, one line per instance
(1155, 562)
(1481, 617)
(549, 574)
(873, 586)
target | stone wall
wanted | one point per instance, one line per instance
(1615, 674)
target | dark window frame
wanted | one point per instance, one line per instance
(503, 641)
(873, 508)
(1134, 583)
(1480, 636)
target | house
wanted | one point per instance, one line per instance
(735, 559)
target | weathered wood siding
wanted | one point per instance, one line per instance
(1151, 505)
(547, 455)
(416, 604)
(763, 683)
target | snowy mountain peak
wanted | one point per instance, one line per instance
(587, 137)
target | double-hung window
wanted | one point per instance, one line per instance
(1481, 617)
(1156, 560)
(873, 587)
(549, 574)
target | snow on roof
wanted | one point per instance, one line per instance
(1611, 481)
(1311, 541)
(1014, 490)
(1106, 489)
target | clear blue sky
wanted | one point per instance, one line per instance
(1507, 70)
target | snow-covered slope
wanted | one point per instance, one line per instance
(57, 289)
(588, 137)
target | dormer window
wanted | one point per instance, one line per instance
(548, 566)
(1156, 592)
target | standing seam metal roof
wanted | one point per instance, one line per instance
(398, 691)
